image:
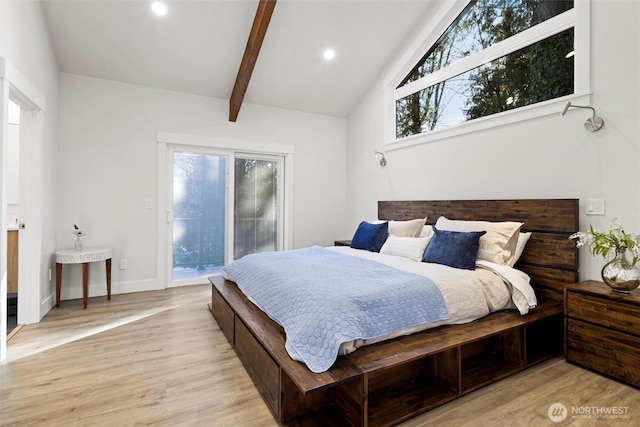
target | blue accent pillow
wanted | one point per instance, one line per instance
(454, 248)
(369, 236)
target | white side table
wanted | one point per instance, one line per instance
(84, 257)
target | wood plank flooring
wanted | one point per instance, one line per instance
(158, 358)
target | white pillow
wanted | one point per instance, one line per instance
(408, 247)
(410, 228)
(427, 231)
(499, 242)
(523, 238)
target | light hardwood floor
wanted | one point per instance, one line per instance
(158, 358)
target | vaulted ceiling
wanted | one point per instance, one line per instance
(198, 45)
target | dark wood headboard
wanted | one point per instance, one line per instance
(550, 258)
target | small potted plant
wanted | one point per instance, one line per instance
(620, 273)
(79, 232)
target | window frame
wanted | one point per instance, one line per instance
(579, 18)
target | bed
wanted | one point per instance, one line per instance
(390, 381)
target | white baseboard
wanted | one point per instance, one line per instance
(100, 289)
(46, 305)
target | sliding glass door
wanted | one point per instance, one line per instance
(199, 206)
(257, 208)
(223, 206)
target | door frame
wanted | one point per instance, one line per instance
(215, 146)
(14, 86)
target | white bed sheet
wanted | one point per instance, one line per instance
(468, 294)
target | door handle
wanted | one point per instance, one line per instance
(169, 216)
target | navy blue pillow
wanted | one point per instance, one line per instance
(454, 248)
(369, 236)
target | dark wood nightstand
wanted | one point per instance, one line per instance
(342, 243)
(602, 330)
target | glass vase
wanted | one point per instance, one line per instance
(78, 242)
(619, 274)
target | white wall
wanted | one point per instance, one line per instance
(24, 44)
(549, 157)
(108, 158)
(107, 151)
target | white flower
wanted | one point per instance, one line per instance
(600, 243)
(78, 231)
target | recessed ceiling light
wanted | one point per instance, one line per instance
(159, 8)
(329, 54)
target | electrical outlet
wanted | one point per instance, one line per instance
(123, 264)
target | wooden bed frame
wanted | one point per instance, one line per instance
(389, 382)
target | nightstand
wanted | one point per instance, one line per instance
(602, 330)
(342, 243)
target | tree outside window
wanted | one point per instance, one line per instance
(541, 71)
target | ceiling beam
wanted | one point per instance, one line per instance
(258, 31)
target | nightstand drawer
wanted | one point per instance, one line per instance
(604, 312)
(610, 352)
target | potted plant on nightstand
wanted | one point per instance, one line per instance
(620, 273)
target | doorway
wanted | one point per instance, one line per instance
(257, 213)
(222, 206)
(32, 269)
(199, 206)
(240, 201)
(13, 214)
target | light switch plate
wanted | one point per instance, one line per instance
(594, 207)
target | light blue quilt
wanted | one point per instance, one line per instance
(323, 298)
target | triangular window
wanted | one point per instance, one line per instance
(496, 56)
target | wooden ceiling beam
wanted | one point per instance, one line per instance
(256, 37)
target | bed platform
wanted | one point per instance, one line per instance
(388, 382)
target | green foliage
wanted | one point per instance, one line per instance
(602, 243)
(536, 73)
